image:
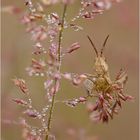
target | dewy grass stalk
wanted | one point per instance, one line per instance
(59, 62)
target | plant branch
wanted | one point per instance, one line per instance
(59, 61)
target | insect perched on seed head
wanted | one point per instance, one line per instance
(101, 79)
(109, 93)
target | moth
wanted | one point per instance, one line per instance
(100, 81)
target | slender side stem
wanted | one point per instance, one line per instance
(59, 61)
(61, 34)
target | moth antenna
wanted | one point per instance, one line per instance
(104, 44)
(93, 45)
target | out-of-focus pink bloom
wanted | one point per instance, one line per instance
(30, 113)
(37, 68)
(39, 34)
(51, 2)
(73, 47)
(55, 88)
(67, 76)
(91, 8)
(68, 1)
(21, 84)
(39, 49)
(48, 83)
(76, 101)
(76, 27)
(11, 9)
(27, 135)
(19, 101)
(77, 80)
(25, 19)
(53, 50)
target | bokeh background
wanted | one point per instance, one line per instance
(121, 22)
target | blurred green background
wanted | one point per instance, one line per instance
(121, 22)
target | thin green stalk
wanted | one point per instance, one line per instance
(61, 33)
(59, 61)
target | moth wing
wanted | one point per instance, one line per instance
(89, 85)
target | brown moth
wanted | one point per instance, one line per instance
(100, 81)
(109, 93)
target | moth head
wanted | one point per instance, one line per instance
(101, 66)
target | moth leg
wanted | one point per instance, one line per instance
(90, 75)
